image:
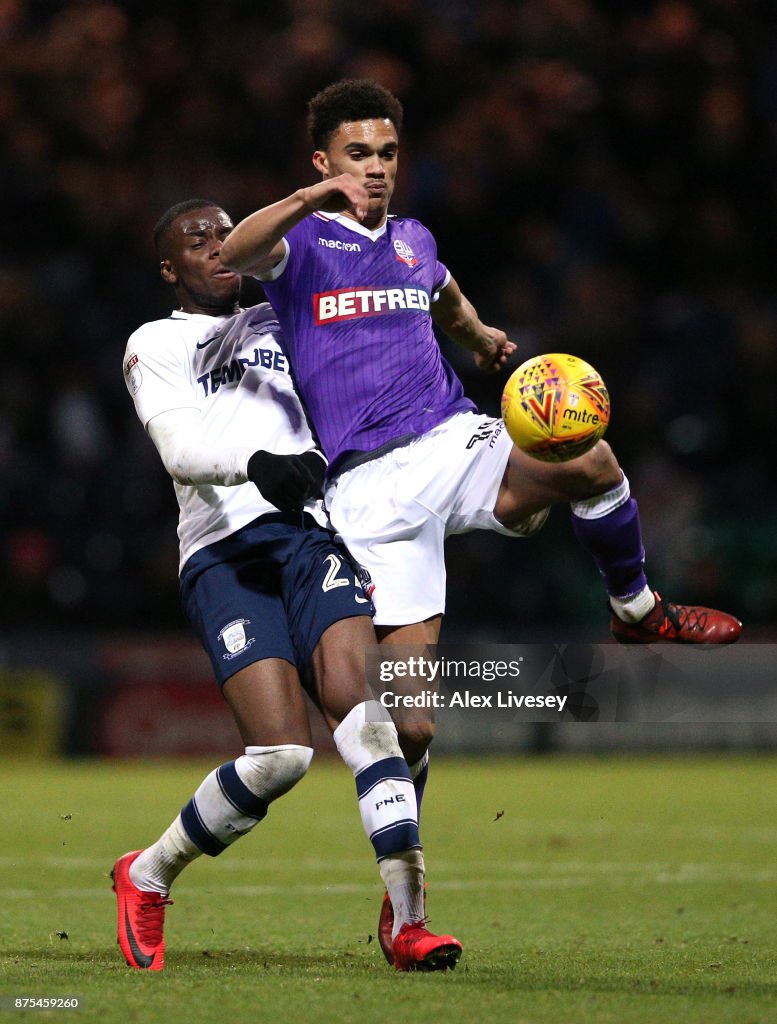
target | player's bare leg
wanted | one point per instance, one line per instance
(528, 485)
(338, 668)
(368, 743)
(268, 704)
(605, 520)
(415, 725)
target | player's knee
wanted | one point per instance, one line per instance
(273, 771)
(415, 738)
(606, 469)
(597, 471)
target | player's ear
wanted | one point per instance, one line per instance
(168, 273)
(320, 162)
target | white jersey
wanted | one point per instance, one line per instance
(230, 376)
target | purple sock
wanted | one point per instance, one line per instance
(615, 542)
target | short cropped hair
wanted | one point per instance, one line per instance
(167, 218)
(350, 99)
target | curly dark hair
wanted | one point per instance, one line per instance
(167, 218)
(350, 99)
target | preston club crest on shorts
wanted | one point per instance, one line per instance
(234, 638)
(405, 253)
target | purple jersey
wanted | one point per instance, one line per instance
(354, 308)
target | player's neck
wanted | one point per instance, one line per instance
(371, 222)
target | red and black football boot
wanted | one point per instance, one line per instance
(671, 623)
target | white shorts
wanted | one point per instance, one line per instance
(394, 512)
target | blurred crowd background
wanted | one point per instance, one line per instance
(600, 176)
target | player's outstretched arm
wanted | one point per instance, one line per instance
(255, 245)
(286, 481)
(455, 315)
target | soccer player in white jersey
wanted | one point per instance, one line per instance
(270, 592)
(357, 293)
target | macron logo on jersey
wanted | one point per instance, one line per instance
(354, 303)
(335, 243)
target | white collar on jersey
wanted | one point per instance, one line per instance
(179, 314)
(354, 225)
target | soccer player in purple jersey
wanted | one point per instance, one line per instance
(357, 292)
(269, 591)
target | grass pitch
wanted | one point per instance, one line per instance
(604, 891)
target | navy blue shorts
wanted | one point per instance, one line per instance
(269, 590)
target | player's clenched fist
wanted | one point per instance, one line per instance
(287, 481)
(497, 349)
(333, 195)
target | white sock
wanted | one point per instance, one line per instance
(602, 504)
(228, 803)
(157, 867)
(634, 607)
(403, 876)
(366, 739)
